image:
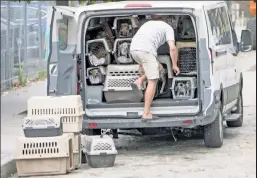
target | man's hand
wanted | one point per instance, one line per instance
(175, 69)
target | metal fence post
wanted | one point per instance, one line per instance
(8, 70)
(40, 35)
(25, 39)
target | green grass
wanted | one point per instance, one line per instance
(21, 78)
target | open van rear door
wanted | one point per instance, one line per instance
(60, 51)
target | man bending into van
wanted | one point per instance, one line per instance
(143, 49)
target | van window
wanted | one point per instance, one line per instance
(63, 33)
(220, 25)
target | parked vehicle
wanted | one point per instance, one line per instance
(89, 56)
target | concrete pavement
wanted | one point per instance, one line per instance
(14, 102)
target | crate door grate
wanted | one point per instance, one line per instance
(187, 60)
(102, 147)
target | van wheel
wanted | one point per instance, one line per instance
(213, 133)
(239, 110)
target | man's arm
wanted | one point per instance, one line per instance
(174, 56)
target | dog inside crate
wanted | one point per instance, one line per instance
(121, 51)
(118, 32)
(124, 27)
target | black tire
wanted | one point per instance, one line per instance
(83, 158)
(239, 110)
(213, 133)
(251, 25)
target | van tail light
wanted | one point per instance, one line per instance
(137, 5)
(92, 125)
(211, 59)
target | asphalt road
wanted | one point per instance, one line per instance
(161, 157)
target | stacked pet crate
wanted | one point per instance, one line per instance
(52, 136)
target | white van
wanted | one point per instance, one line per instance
(88, 55)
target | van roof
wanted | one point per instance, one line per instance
(122, 4)
(154, 4)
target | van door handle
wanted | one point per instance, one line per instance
(220, 53)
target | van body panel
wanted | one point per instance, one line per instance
(226, 71)
(219, 54)
(62, 74)
(165, 121)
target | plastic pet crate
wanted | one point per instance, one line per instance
(96, 75)
(180, 44)
(123, 27)
(77, 159)
(121, 51)
(100, 151)
(98, 52)
(76, 147)
(42, 126)
(187, 60)
(117, 83)
(183, 87)
(70, 109)
(44, 156)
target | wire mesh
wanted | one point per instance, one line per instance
(22, 38)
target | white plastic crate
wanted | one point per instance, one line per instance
(70, 108)
(55, 105)
(129, 26)
(44, 156)
(117, 86)
(77, 159)
(76, 147)
(99, 52)
(121, 51)
(72, 124)
(42, 126)
(100, 151)
(183, 87)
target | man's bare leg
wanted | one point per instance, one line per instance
(141, 79)
(149, 94)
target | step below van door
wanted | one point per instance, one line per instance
(60, 51)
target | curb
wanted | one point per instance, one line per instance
(8, 169)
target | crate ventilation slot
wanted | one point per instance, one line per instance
(46, 111)
(40, 148)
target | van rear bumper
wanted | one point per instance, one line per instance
(122, 123)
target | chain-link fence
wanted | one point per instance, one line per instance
(22, 39)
